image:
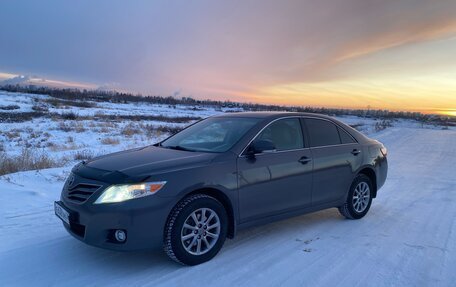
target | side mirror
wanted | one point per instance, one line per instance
(261, 146)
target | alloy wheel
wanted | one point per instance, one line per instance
(200, 231)
(361, 197)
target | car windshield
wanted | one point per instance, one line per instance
(216, 134)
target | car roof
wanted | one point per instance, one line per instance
(270, 115)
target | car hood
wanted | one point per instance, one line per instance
(146, 161)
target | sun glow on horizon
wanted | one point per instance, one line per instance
(451, 113)
(431, 93)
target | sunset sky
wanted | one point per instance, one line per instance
(386, 54)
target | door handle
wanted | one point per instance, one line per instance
(355, 152)
(304, 160)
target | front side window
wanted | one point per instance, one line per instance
(211, 135)
(322, 133)
(285, 134)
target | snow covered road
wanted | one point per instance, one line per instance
(407, 239)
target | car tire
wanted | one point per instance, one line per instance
(199, 240)
(359, 198)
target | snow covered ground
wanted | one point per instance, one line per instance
(91, 132)
(407, 239)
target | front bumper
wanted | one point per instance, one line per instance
(143, 220)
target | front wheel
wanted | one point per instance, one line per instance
(359, 198)
(196, 230)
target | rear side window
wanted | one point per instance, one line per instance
(322, 133)
(345, 137)
(286, 134)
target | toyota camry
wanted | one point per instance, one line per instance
(189, 192)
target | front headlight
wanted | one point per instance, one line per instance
(123, 192)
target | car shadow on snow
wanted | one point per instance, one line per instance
(303, 227)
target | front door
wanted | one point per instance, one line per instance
(276, 181)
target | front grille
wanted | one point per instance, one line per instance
(81, 192)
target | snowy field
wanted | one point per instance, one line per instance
(407, 239)
(73, 131)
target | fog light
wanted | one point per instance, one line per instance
(120, 235)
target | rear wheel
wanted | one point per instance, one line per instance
(196, 230)
(359, 198)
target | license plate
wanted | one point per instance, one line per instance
(62, 213)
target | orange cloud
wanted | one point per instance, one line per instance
(391, 39)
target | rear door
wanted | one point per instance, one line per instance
(278, 181)
(336, 156)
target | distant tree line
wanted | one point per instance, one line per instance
(121, 97)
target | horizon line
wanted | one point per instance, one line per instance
(435, 112)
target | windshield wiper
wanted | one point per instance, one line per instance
(177, 147)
